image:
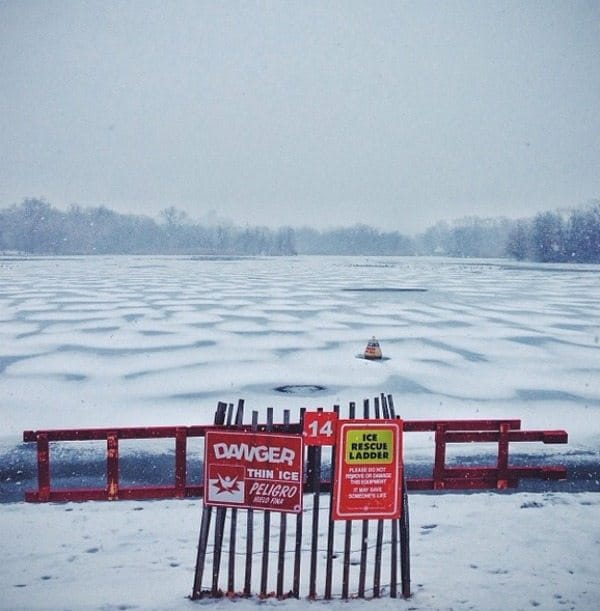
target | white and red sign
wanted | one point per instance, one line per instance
(319, 428)
(368, 470)
(250, 470)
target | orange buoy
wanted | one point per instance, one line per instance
(373, 351)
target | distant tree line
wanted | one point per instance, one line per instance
(549, 237)
(554, 237)
(34, 226)
(358, 239)
(467, 237)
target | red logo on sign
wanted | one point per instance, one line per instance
(226, 484)
(368, 470)
(253, 470)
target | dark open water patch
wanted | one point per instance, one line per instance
(133, 317)
(111, 329)
(148, 266)
(449, 324)
(376, 289)
(155, 333)
(194, 396)
(532, 340)
(221, 258)
(74, 377)
(436, 362)
(300, 389)
(30, 258)
(384, 265)
(551, 267)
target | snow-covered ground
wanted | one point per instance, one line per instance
(159, 340)
(481, 551)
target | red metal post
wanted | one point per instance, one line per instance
(112, 466)
(502, 482)
(439, 465)
(180, 461)
(43, 458)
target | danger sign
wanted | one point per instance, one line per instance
(253, 470)
(368, 470)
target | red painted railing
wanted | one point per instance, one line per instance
(500, 476)
(501, 432)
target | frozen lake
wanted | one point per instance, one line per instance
(159, 340)
(155, 340)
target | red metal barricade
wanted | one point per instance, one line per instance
(500, 476)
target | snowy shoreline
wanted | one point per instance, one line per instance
(485, 551)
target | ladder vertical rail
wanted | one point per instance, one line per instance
(388, 413)
(43, 467)
(247, 591)
(280, 570)
(364, 543)
(220, 523)
(316, 488)
(348, 528)
(394, 560)
(388, 402)
(218, 550)
(309, 468)
(201, 555)
(439, 465)
(232, 541)
(403, 526)
(502, 477)
(379, 535)
(385, 412)
(180, 461)
(219, 419)
(331, 527)
(315, 476)
(405, 543)
(229, 417)
(239, 419)
(221, 412)
(112, 466)
(239, 415)
(298, 541)
(282, 528)
(264, 575)
(250, 531)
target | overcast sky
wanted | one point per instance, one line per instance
(396, 114)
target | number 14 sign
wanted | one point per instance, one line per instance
(319, 428)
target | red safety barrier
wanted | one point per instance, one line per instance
(500, 476)
(113, 491)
